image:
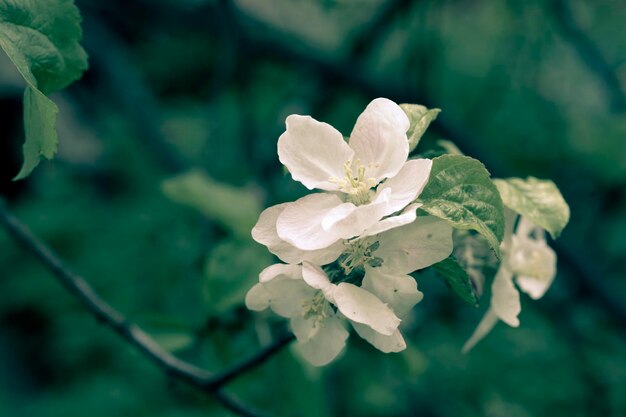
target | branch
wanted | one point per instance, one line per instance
(376, 27)
(206, 381)
(590, 53)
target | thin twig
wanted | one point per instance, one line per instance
(252, 362)
(208, 382)
(590, 54)
(377, 26)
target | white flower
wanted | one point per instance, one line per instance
(527, 261)
(355, 303)
(320, 333)
(385, 254)
(387, 292)
(317, 155)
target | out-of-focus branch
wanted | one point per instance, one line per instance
(377, 26)
(132, 95)
(206, 381)
(589, 53)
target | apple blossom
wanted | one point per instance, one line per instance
(320, 332)
(351, 173)
(528, 262)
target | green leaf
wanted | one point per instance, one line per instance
(40, 115)
(234, 208)
(42, 38)
(539, 200)
(420, 118)
(461, 192)
(456, 277)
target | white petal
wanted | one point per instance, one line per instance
(316, 278)
(285, 290)
(258, 298)
(397, 291)
(505, 300)
(265, 233)
(485, 326)
(532, 286)
(379, 139)
(314, 152)
(408, 184)
(534, 264)
(276, 270)
(387, 344)
(361, 306)
(300, 223)
(422, 243)
(408, 215)
(348, 220)
(304, 328)
(328, 342)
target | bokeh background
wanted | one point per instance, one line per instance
(179, 86)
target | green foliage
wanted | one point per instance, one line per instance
(420, 118)
(42, 39)
(232, 269)
(146, 255)
(461, 192)
(235, 209)
(539, 200)
(449, 147)
(456, 277)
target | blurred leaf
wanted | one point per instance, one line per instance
(232, 269)
(461, 192)
(456, 277)
(420, 118)
(232, 207)
(42, 39)
(539, 200)
(449, 147)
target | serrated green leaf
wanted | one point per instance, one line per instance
(234, 208)
(420, 118)
(456, 277)
(461, 192)
(42, 38)
(539, 200)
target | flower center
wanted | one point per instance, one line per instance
(359, 252)
(354, 183)
(315, 307)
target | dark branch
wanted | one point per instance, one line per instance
(589, 53)
(377, 26)
(206, 381)
(253, 361)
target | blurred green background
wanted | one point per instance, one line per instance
(529, 88)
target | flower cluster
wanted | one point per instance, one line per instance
(349, 249)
